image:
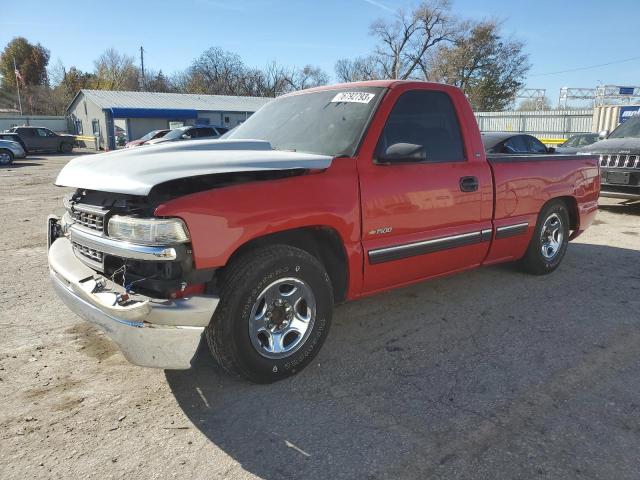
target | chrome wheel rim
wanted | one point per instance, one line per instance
(282, 318)
(551, 236)
(5, 158)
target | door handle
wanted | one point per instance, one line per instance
(469, 184)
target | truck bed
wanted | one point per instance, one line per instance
(523, 183)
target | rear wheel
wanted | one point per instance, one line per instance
(66, 147)
(6, 158)
(550, 239)
(274, 314)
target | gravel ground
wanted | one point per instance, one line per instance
(488, 374)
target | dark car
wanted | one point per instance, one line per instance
(619, 154)
(152, 135)
(195, 132)
(13, 137)
(43, 139)
(576, 142)
(513, 143)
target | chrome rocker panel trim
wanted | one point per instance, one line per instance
(398, 252)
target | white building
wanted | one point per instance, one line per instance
(101, 112)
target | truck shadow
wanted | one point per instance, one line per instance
(443, 378)
(629, 208)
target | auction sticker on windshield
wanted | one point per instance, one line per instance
(353, 97)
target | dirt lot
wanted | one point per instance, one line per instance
(489, 374)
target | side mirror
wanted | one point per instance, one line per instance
(403, 152)
(603, 134)
(185, 136)
(551, 150)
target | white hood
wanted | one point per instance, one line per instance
(136, 171)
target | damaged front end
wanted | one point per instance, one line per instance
(131, 274)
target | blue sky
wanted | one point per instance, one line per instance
(559, 35)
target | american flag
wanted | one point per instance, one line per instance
(18, 76)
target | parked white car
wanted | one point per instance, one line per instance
(190, 133)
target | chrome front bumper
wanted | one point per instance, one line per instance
(150, 332)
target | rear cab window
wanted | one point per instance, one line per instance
(26, 132)
(426, 118)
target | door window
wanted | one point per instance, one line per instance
(585, 140)
(43, 132)
(205, 132)
(572, 142)
(428, 119)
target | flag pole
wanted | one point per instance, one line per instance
(15, 71)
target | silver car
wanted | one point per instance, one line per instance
(10, 150)
(576, 142)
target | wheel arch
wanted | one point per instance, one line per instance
(572, 208)
(11, 155)
(323, 242)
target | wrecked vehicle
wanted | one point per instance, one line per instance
(322, 196)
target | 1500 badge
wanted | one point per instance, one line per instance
(380, 231)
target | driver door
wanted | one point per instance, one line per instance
(427, 218)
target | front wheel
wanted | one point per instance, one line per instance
(550, 239)
(274, 314)
(66, 147)
(6, 158)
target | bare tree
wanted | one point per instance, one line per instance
(308, 77)
(217, 71)
(358, 69)
(157, 81)
(223, 73)
(274, 80)
(404, 44)
(532, 104)
(116, 71)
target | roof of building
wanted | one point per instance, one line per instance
(184, 101)
(9, 111)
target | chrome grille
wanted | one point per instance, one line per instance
(620, 161)
(93, 221)
(89, 253)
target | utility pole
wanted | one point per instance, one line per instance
(142, 82)
(15, 71)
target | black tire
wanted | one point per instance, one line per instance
(243, 282)
(66, 147)
(534, 261)
(6, 157)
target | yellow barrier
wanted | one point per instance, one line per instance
(552, 141)
(85, 138)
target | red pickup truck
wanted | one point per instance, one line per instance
(322, 196)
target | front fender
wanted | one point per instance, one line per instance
(223, 219)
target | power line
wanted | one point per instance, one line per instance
(586, 68)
